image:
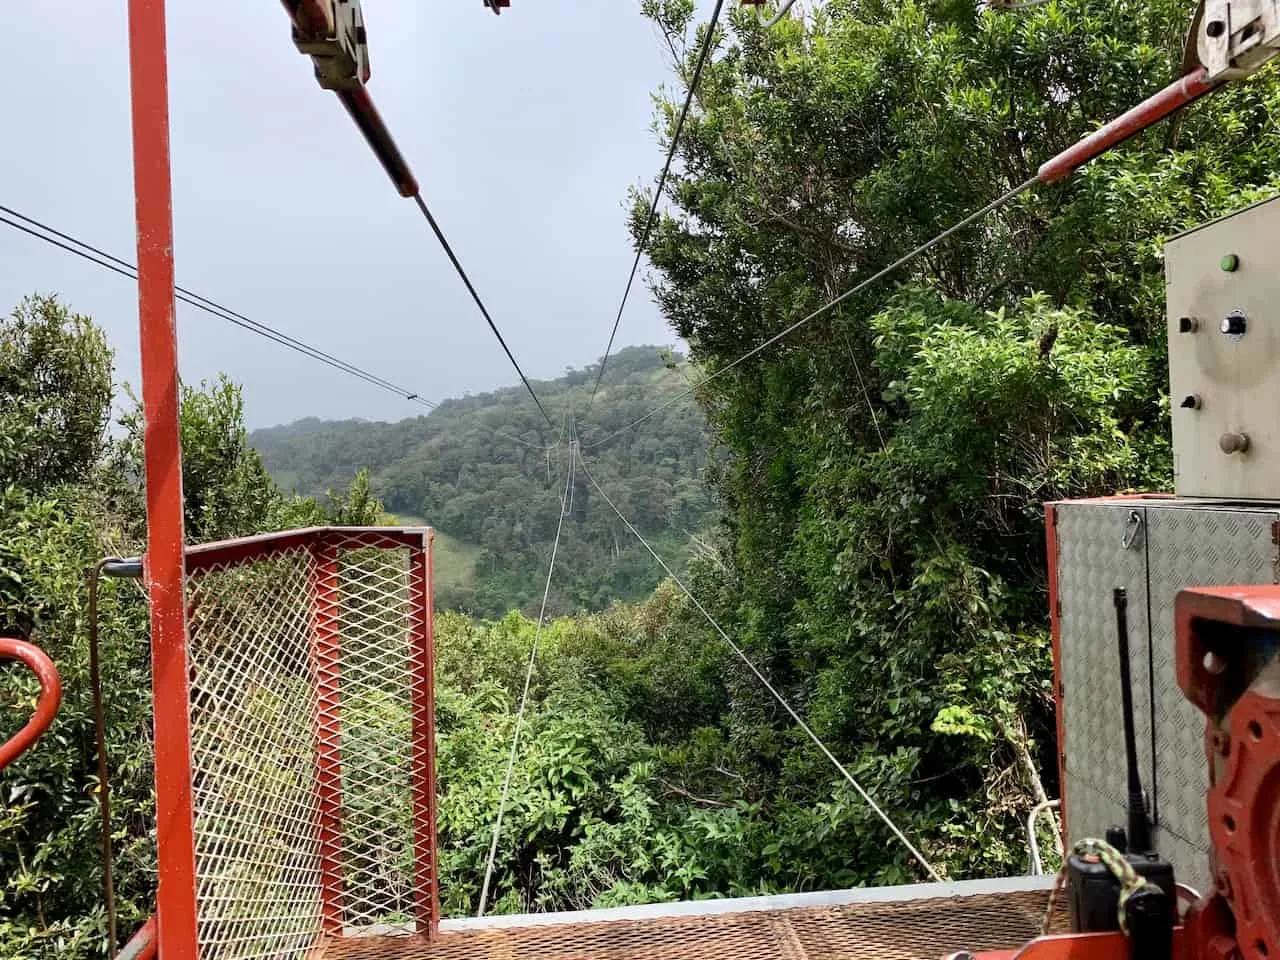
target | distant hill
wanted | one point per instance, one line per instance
(487, 471)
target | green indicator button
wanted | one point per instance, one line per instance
(1230, 263)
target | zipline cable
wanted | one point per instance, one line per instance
(703, 53)
(829, 305)
(484, 311)
(528, 678)
(125, 269)
(782, 701)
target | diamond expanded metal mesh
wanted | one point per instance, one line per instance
(909, 929)
(310, 741)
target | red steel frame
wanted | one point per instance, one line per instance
(167, 562)
(324, 543)
(149, 84)
(425, 867)
(328, 733)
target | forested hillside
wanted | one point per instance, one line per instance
(488, 473)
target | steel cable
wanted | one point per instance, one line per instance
(782, 701)
(528, 678)
(829, 305)
(703, 53)
(484, 311)
(125, 269)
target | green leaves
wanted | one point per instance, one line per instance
(55, 394)
(886, 465)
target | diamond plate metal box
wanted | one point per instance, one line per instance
(1153, 547)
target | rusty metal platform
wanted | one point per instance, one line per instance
(868, 926)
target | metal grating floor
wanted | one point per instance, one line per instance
(919, 929)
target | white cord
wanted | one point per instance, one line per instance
(528, 677)
(768, 686)
(777, 17)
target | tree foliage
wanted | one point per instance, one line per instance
(886, 464)
(70, 495)
(55, 391)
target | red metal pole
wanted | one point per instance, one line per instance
(149, 83)
(1177, 95)
(328, 656)
(142, 945)
(423, 767)
(47, 704)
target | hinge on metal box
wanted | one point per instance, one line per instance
(1275, 551)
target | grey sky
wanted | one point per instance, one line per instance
(525, 132)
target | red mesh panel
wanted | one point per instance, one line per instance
(310, 740)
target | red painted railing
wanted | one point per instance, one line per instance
(308, 697)
(46, 705)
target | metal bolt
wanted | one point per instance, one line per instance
(1214, 664)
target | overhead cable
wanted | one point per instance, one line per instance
(782, 701)
(126, 269)
(829, 305)
(484, 311)
(528, 677)
(703, 53)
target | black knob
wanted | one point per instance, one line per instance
(1190, 402)
(1187, 324)
(1234, 324)
(1117, 838)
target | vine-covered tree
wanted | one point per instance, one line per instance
(887, 462)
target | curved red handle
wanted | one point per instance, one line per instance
(46, 706)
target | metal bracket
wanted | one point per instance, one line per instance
(1236, 37)
(1132, 528)
(340, 51)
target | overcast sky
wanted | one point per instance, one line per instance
(525, 132)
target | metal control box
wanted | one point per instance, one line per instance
(1153, 547)
(1224, 355)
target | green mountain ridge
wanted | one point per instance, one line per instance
(487, 471)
